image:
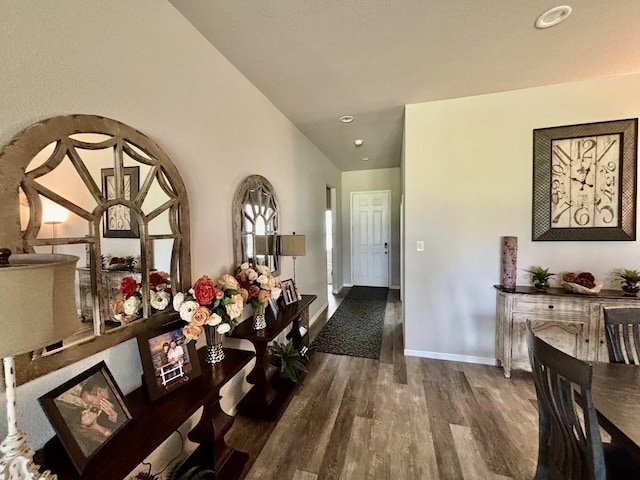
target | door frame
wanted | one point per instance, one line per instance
(388, 192)
(333, 192)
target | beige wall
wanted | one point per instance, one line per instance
(468, 178)
(143, 64)
(370, 180)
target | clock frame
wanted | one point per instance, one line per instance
(584, 182)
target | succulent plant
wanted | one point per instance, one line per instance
(630, 277)
(540, 274)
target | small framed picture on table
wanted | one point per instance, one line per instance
(289, 292)
(273, 304)
(86, 412)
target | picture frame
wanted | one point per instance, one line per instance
(273, 304)
(584, 182)
(168, 360)
(289, 293)
(86, 412)
(119, 221)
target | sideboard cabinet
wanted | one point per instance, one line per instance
(572, 322)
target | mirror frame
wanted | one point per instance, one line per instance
(14, 160)
(252, 182)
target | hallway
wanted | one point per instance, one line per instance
(401, 418)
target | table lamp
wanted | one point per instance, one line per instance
(37, 294)
(293, 246)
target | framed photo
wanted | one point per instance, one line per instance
(584, 182)
(86, 412)
(168, 361)
(273, 304)
(119, 221)
(289, 292)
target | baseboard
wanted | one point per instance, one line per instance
(346, 285)
(394, 287)
(452, 357)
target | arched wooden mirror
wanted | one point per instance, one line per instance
(98, 189)
(256, 219)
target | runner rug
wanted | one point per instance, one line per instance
(357, 325)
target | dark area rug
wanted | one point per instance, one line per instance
(357, 325)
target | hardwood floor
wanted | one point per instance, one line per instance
(396, 418)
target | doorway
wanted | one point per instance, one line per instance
(370, 238)
(330, 239)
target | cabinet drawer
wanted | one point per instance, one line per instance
(550, 306)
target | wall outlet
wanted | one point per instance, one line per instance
(420, 246)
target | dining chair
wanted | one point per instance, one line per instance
(622, 326)
(567, 448)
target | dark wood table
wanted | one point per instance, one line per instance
(616, 394)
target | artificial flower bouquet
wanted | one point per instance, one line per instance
(207, 305)
(127, 308)
(258, 283)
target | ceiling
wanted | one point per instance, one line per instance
(317, 60)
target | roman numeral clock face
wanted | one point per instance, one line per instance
(585, 179)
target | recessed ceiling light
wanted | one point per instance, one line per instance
(346, 118)
(358, 142)
(365, 159)
(553, 16)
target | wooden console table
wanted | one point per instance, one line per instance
(572, 322)
(153, 422)
(268, 394)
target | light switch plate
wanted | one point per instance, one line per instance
(420, 246)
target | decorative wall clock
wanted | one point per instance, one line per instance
(584, 181)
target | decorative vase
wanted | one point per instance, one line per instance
(541, 285)
(508, 263)
(259, 318)
(215, 353)
(630, 290)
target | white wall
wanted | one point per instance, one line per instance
(369, 180)
(143, 64)
(468, 176)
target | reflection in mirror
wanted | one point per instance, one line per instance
(98, 189)
(256, 219)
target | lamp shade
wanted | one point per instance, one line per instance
(265, 244)
(37, 302)
(293, 245)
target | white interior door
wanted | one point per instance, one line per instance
(370, 238)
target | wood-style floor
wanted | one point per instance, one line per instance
(396, 418)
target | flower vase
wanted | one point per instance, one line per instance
(259, 318)
(541, 285)
(215, 353)
(630, 290)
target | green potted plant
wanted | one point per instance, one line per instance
(630, 280)
(540, 277)
(291, 362)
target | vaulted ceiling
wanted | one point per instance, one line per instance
(317, 60)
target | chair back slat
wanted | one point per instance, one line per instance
(569, 438)
(622, 327)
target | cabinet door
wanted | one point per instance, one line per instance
(570, 336)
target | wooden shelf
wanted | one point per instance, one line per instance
(269, 393)
(153, 422)
(561, 292)
(286, 315)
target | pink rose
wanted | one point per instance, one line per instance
(244, 294)
(204, 291)
(254, 290)
(128, 286)
(157, 278)
(117, 306)
(263, 296)
(219, 294)
(192, 332)
(200, 316)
